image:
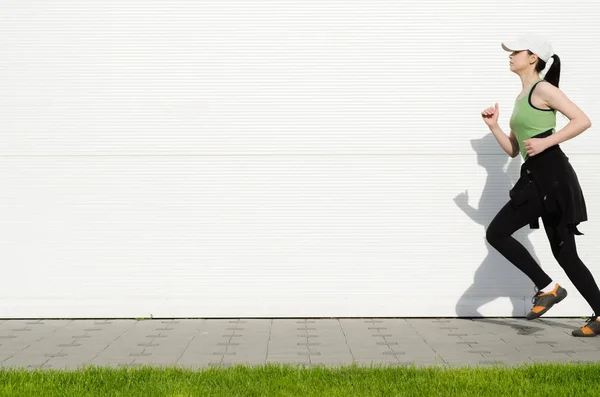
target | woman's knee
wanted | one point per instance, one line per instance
(494, 235)
(505, 223)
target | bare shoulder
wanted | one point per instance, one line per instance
(554, 98)
(545, 89)
(550, 96)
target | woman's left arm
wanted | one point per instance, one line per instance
(554, 98)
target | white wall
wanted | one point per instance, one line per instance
(276, 159)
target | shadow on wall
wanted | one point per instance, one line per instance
(496, 277)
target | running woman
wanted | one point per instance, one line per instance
(548, 187)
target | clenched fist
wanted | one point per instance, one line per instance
(490, 115)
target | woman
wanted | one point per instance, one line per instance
(548, 186)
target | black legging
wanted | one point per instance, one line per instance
(510, 219)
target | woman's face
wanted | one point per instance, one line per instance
(521, 60)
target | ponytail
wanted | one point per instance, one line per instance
(553, 74)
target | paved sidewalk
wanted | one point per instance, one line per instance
(199, 343)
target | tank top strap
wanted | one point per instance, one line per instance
(535, 85)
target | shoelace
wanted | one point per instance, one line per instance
(536, 297)
(591, 319)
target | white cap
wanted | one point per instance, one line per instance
(537, 44)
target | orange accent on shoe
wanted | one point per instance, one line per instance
(537, 309)
(587, 331)
(553, 292)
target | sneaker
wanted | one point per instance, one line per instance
(543, 301)
(591, 328)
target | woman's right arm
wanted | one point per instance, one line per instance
(509, 144)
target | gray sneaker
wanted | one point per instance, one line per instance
(543, 301)
(591, 328)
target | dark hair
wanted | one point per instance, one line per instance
(553, 74)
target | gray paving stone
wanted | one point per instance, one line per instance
(332, 361)
(246, 360)
(164, 349)
(591, 342)
(246, 343)
(537, 350)
(196, 358)
(591, 356)
(329, 351)
(157, 360)
(363, 343)
(552, 358)
(22, 361)
(202, 350)
(33, 352)
(285, 352)
(507, 359)
(284, 355)
(286, 360)
(14, 347)
(471, 362)
(250, 354)
(68, 363)
(376, 362)
(575, 350)
(257, 347)
(111, 362)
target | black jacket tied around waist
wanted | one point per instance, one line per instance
(550, 175)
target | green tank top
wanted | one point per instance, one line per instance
(527, 121)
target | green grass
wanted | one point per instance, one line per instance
(287, 380)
